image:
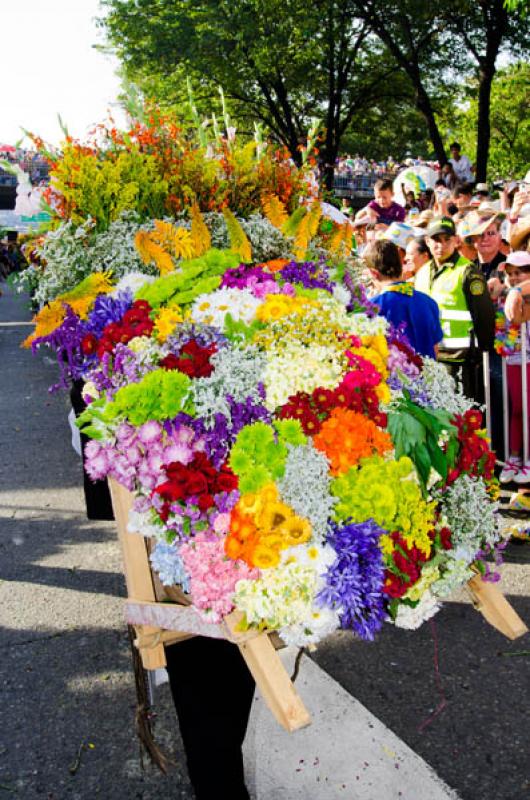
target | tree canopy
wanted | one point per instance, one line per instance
(286, 62)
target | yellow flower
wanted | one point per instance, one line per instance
(273, 515)
(265, 557)
(428, 576)
(295, 530)
(249, 503)
(46, 321)
(166, 322)
(383, 393)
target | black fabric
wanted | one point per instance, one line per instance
(212, 690)
(97, 495)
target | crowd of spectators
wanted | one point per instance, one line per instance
(467, 246)
(31, 162)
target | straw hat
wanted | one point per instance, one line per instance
(482, 218)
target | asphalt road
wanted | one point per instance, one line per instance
(67, 696)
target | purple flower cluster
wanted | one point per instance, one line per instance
(307, 273)
(219, 437)
(255, 279)
(360, 301)
(118, 369)
(66, 342)
(354, 582)
(107, 309)
(204, 335)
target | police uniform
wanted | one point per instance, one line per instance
(467, 315)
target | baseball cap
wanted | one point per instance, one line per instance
(441, 225)
(482, 187)
(518, 259)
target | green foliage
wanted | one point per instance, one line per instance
(195, 277)
(416, 433)
(509, 118)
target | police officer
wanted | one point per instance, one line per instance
(466, 311)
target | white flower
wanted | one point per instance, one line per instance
(211, 309)
(412, 618)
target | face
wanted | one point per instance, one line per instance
(488, 243)
(442, 246)
(383, 197)
(413, 260)
(516, 275)
(462, 200)
(455, 153)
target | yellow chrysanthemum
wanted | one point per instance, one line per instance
(166, 322)
(277, 306)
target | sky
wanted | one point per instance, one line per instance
(48, 65)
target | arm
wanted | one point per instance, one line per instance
(480, 307)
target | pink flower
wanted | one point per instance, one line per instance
(149, 432)
(221, 523)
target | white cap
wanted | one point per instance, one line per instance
(520, 258)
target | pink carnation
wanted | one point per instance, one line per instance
(213, 576)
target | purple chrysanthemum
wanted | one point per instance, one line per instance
(354, 582)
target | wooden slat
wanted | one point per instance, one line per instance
(138, 575)
(494, 607)
(271, 677)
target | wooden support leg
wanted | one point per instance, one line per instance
(138, 575)
(494, 607)
(271, 677)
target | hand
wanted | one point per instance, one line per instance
(495, 288)
(521, 197)
(513, 307)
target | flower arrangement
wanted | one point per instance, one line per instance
(290, 455)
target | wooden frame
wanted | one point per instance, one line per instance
(158, 622)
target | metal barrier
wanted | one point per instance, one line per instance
(506, 400)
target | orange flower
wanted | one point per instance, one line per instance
(346, 437)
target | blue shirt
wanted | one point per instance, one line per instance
(400, 303)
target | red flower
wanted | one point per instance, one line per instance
(169, 362)
(89, 344)
(445, 538)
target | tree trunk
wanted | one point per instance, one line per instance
(423, 104)
(483, 124)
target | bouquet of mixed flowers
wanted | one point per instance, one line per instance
(290, 455)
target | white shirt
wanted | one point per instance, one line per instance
(462, 168)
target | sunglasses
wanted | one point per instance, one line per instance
(488, 233)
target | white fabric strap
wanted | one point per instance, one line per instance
(463, 316)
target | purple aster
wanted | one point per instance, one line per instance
(307, 273)
(354, 582)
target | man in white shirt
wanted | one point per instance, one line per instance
(461, 164)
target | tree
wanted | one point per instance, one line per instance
(485, 28)
(279, 61)
(509, 154)
(414, 33)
